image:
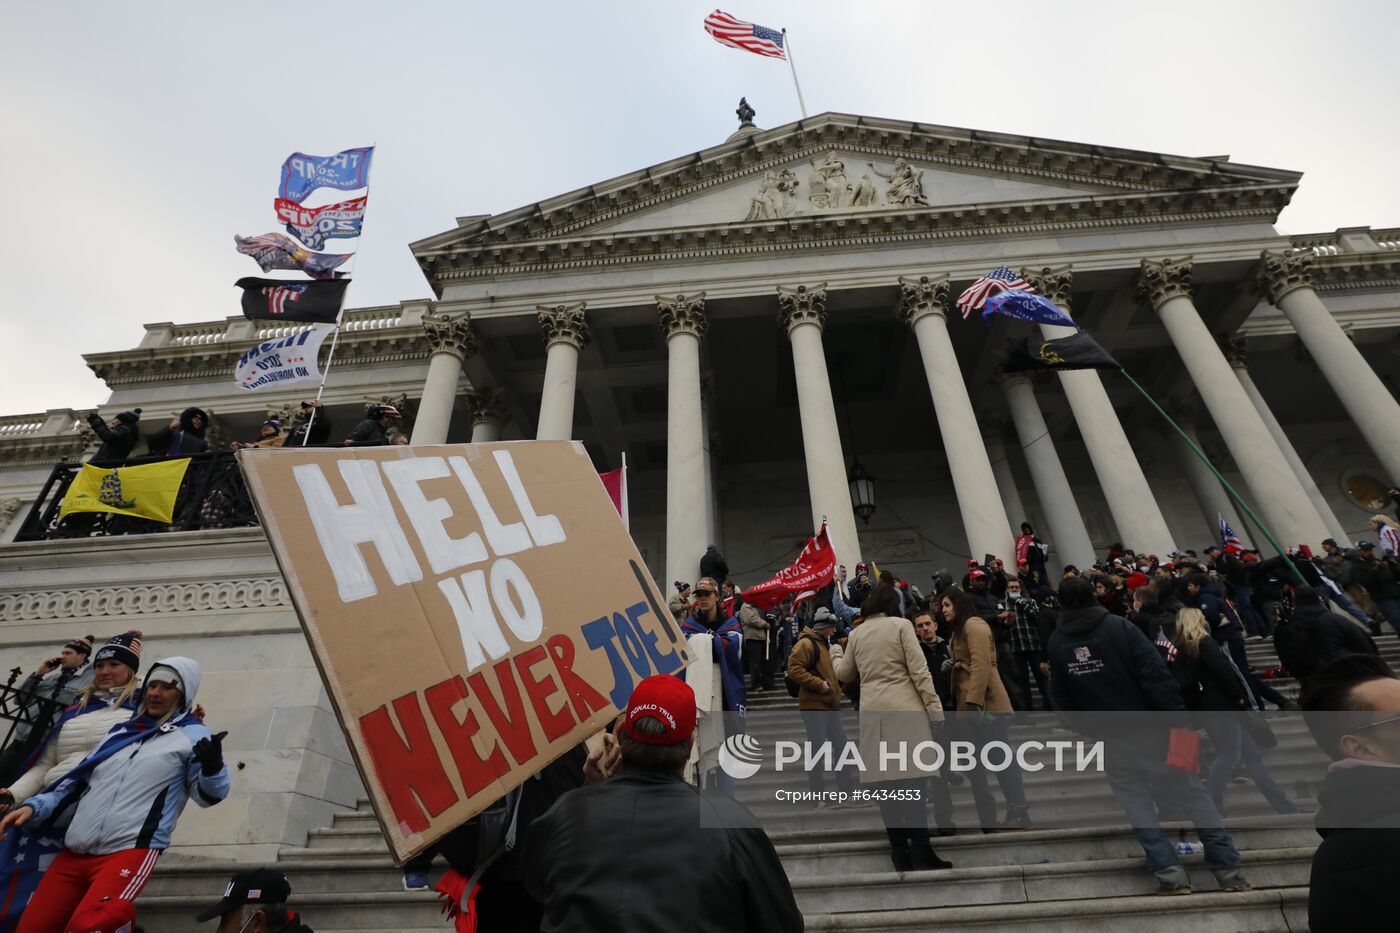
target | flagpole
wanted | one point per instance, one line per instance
(787, 53)
(1238, 499)
(339, 317)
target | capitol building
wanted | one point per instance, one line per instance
(765, 329)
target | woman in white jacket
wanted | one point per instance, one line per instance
(108, 700)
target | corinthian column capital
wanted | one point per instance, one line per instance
(1163, 280)
(487, 405)
(1281, 271)
(450, 333)
(921, 296)
(1236, 350)
(801, 305)
(564, 324)
(1054, 282)
(682, 315)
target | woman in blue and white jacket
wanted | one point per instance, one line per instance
(121, 802)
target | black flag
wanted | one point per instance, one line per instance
(1077, 351)
(280, 300)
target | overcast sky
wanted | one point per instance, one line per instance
(137, 138)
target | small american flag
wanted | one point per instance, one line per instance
(278, 296)
(1000, 279)
(1166, 645)
(1228, 539)
(750, 37)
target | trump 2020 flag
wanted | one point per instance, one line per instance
(279, 300)
(344, 171)
(147, 491)
(282, 362)
(1026, 306)
(315, 225)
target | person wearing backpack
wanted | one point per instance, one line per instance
(818, 693)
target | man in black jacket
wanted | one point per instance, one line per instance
(1102, 663)
(1314, 636)
(1352, 706)
(374, 430)
(118, 436)
(647, 851)
(314, 419)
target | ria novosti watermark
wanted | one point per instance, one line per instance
(741, 756)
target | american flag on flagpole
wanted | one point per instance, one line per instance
(750, 37)
(1000, 279)
(1228, 539)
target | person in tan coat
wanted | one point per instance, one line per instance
(897, 705)
(983, 708)
(819, 699)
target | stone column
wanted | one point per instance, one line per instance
(1068, 537)
(683, 323)
(451, 340)
(712, 525)
(1138, 518)
(802, 313)
(488, 407)
(923, 305)
(1004, 476)
(565, 336)
(1278, 496)
(1286, 279)
(1236, 351)
(1210, 495)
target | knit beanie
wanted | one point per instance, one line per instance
(125, 648)
(274, 424)
(82, 645)
(129, 417)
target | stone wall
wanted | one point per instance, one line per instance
(217, 597)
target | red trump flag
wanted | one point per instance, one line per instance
(814, 568)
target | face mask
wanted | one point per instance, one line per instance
(1013, 595)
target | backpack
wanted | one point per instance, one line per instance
(793, 687)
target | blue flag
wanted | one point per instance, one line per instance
(345, 171)
(1026, 306)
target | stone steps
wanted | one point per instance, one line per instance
(1080, 878)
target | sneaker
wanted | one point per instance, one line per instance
(1017, 818)
(1237, 887)
(415, 881)
(1173, 890)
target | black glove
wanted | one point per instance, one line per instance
(210, 753)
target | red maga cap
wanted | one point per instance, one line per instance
(668, 700)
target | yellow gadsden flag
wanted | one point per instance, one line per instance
(146, 491)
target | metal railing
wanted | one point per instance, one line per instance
(21, 709)
(212, 495)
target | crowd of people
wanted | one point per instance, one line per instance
(85, 817)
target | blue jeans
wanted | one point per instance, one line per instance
(825, 726)
(1232, 743)
(1141, 782)
(1390, 608)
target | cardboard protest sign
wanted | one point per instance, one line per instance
(476, 611)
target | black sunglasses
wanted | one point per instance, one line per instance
(699, 593)
(1378, 722)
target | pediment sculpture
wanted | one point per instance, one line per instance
(777, 196)
(830, 187)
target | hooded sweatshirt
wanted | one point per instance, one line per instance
(184, 440)
(132, 797)
(1101, 662)
(1354, 871)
